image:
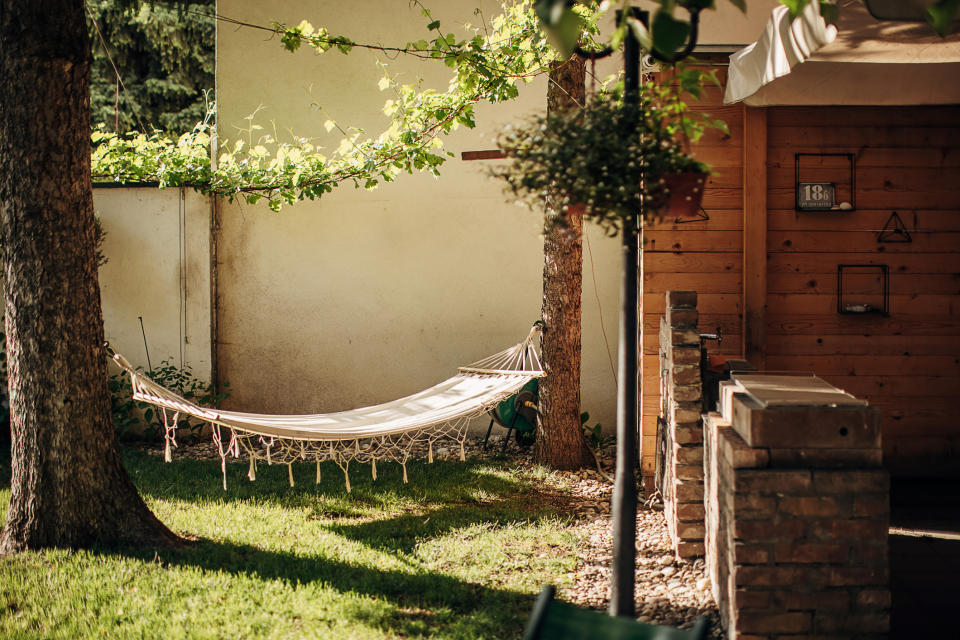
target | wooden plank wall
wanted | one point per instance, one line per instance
(702, 256)
(908, 365)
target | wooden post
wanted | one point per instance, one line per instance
(755, 235)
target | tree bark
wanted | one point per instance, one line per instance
(68, 487)
(560, 441)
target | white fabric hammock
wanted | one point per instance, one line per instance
(384, 431)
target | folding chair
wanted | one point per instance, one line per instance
(555, 620)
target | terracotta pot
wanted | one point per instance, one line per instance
(684, 193)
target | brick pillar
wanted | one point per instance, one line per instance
(797, 519)
(680, 389)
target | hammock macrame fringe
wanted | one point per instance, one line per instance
(391, 431)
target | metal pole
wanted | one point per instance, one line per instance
(625, 484)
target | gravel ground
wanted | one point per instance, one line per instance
(669, 591)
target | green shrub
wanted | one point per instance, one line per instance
(135, 420)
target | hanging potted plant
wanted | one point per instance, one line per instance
(585, 161)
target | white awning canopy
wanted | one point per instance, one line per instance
(864, 61)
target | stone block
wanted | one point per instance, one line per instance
(753, 506)
(684, 337)
(826, 458)
(688, 472)
(681, 299)
(681, 317)
(873, 599)
(685, 373)
(857, 577)
(690, 511)
(744, 553)
(687, 549)
(688, 434)
(769, 531)
(750, 621)
(685, 413)
(852, 623)
(795, 599)
(752, 599)
(689, 454)
(687, 393)
(877, 504)
(688, 492)
(736, 452)
(850, 529)
(853, 481)
(686, 355)
(690, 530)
(807, 553)
(773, 481)
(809, 506)
(805, 427)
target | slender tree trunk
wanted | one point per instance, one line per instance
(560, 441)
(69, 487)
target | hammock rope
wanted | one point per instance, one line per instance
(389, 431)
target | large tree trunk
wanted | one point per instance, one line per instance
(69, 487)
(560, 441)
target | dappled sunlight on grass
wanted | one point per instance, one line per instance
(458, 552)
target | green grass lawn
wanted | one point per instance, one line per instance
(459, 552)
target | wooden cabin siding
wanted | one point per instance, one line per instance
(705, 256)
(907, 364)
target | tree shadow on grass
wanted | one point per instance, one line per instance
(424, 603)
(442, 482)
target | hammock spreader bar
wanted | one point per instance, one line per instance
(388, 431)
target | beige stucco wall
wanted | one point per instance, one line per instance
(158, 268)
(366, 296)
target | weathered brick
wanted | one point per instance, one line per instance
(736, 452)
(681, 299)
(687, 393)
(773, 482)
(689, 454)
(795, 600)
(874, 481)
(753, 506)
(869, 553)
(806, 427)
(687, 549)
(750, 554)
(764, 622)
(690, 531)
(685, 413)
(685, 373)
(850, 529)
(852, 623)
(752, 599)
(856, 576)
(690, 511)
(871, 504)
(681, 317)
(692, 434)
(689, 471)
(686, 492)
(808, 506)
(766, 576)
(825, 553)
(685, 355)
(769, 531)
(826, 458)
(873, 599)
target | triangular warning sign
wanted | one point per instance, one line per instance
(894, 230)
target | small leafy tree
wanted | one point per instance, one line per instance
(164, 57)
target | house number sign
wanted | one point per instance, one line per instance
(816, 195)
